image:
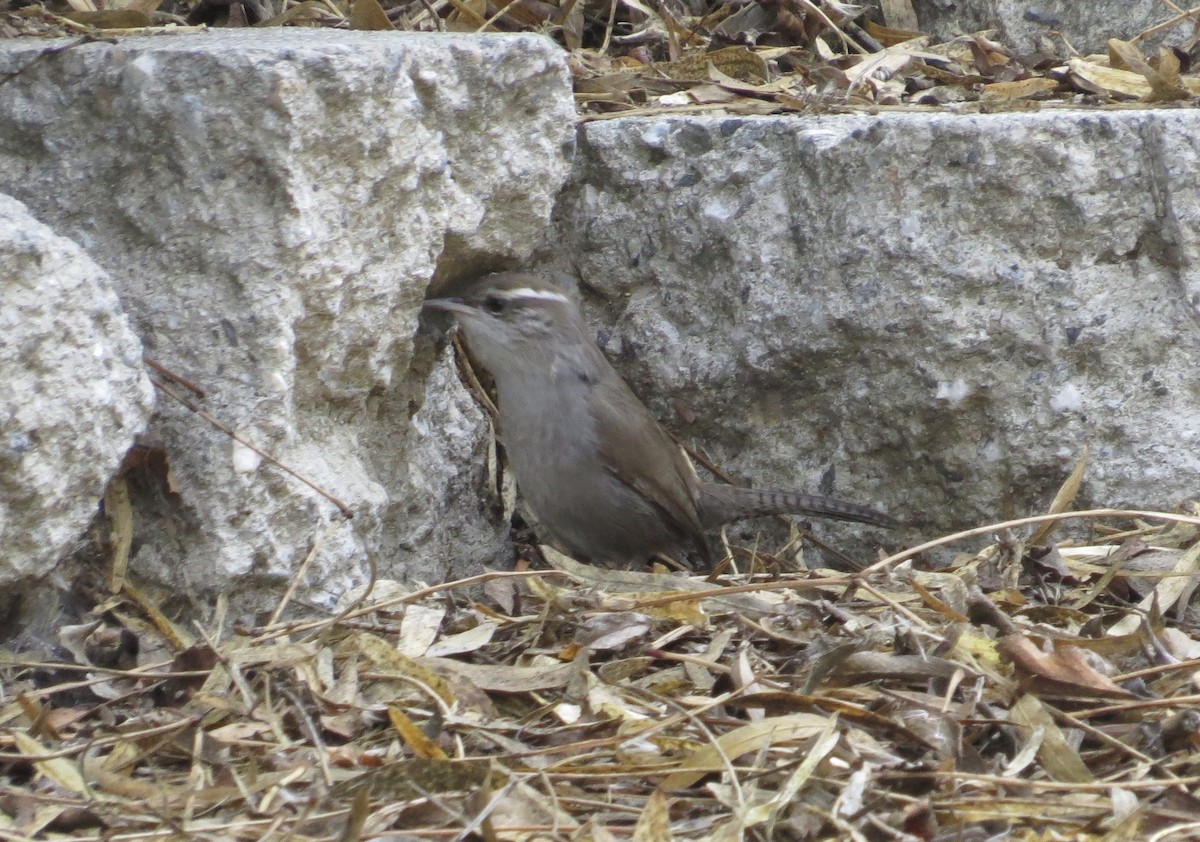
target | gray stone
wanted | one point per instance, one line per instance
(1087, 26)
(931, 312)
(74, 393)
(272, 205)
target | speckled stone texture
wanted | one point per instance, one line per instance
(271, 205)
(931, 312)
(74, 394)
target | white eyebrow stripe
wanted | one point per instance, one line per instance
(529, 292)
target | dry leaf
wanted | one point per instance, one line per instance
(119, 511)
(869, 666)
(415, 777)
(387, 660)
(502, 679)
(899, 14)
(736, 62)
(1024, 89)
(753, 737)
(1056, 754)
(1122, 83)
(470, 640)
(62, 771)
(112, 18)
(612, 630)
(413, 736)
(369, 15)
(1176, 588)
(419, 628)
(1066, 493)
(654, 823)
(1065, 670)
(1164, 83)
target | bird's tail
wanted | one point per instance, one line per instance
(720, 503)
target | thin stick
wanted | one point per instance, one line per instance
(49, 52)
(1157, 670)
(1025, 521)
(503, 11)
(465, 368)
(1154, 30)
(178, 378)
(846, 39)
(1110, 741)
(781, 585)
(268, 633)
(1148, 704)
(101, 742)
(1044, 786)
(302, 569)
(895, 605)
(608, 29)
(345, 510)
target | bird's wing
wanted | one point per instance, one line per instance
(642, 456)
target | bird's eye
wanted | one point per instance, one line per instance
(494, 304)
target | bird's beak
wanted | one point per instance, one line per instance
(448, 305)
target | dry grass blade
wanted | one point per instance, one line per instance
(1063, 499)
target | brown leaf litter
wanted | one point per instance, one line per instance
(733, 57)
(996, 695)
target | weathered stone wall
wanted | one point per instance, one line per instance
(271, 206)
(934, 312)
(74, 394)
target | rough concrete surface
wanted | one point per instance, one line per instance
(271, 205)
(1085, 26)
(931, 312)
(74, 393)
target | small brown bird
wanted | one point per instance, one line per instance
(604, 479)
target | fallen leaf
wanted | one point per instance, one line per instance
(369, 15)
(654, 822)
(768, 732)
(414, 737)
(1065, 670)
(1057, 757)
(470, 640)
(112, 19)
(505, 679)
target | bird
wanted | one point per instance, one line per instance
(605, 481)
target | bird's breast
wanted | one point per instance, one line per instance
(546, 422)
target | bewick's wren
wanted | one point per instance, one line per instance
(603, 478)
